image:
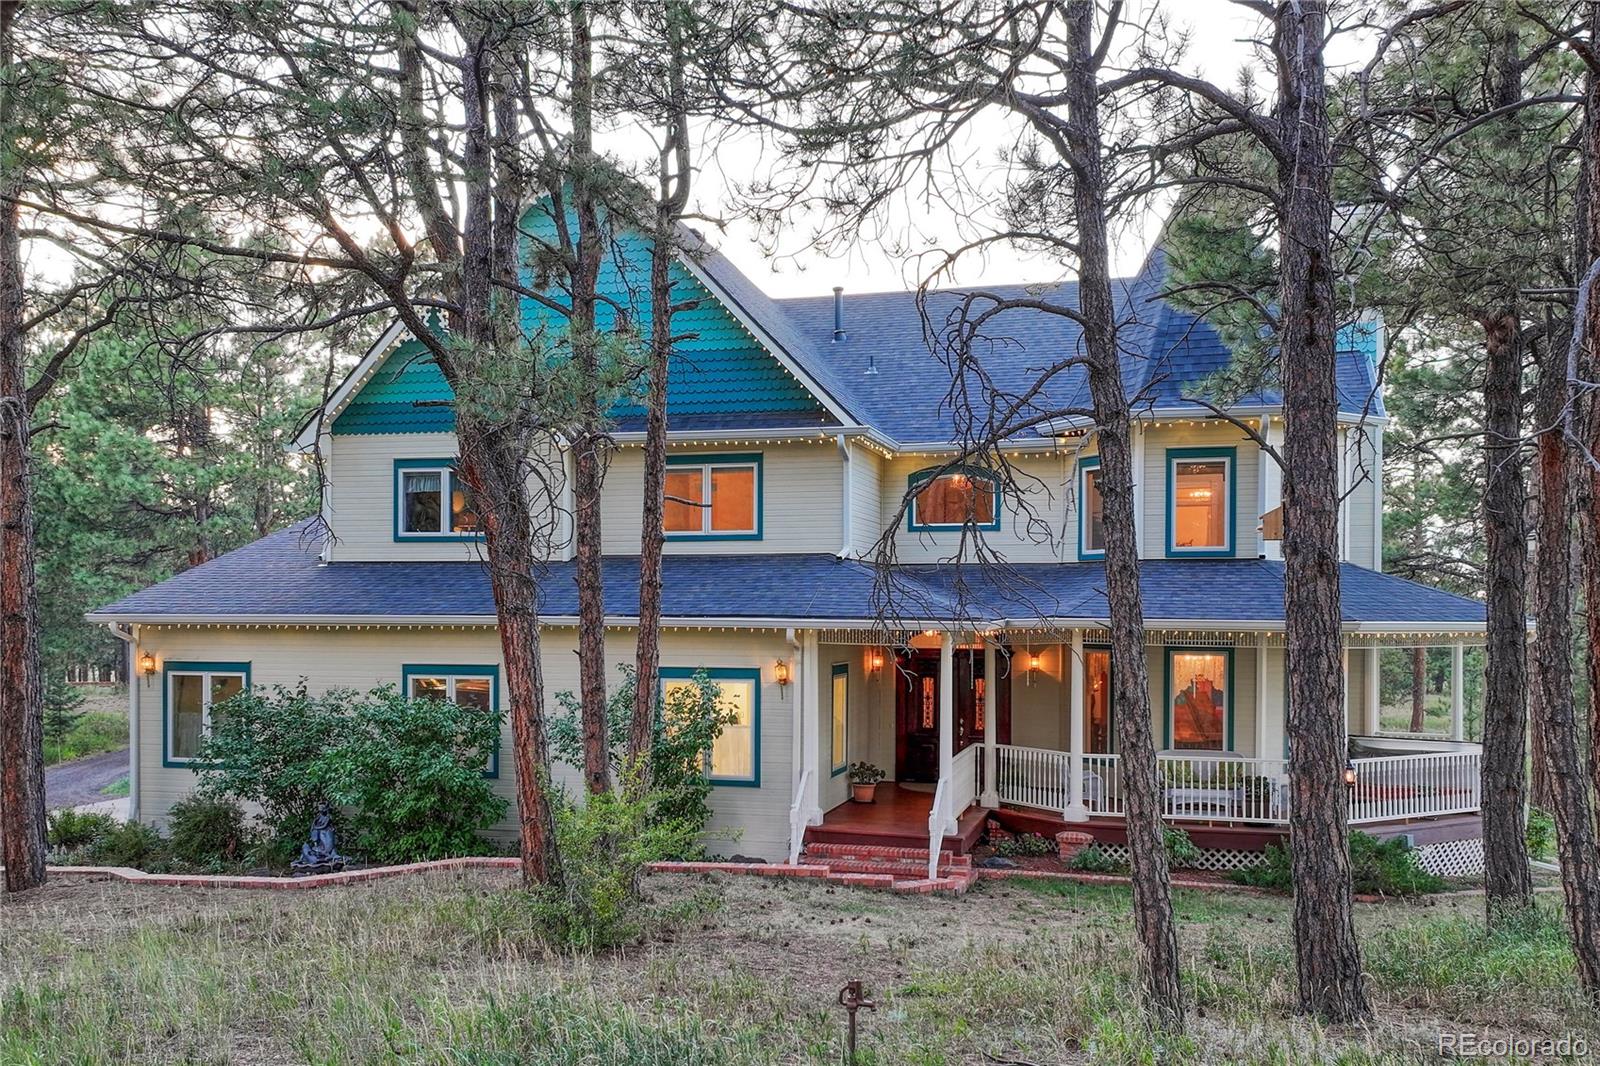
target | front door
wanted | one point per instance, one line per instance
(917, 710)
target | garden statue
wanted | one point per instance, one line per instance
(319, 856)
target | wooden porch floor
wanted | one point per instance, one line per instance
(899, 819)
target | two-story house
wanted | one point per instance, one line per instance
(797, 430)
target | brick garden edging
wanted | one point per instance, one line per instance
(345, 877)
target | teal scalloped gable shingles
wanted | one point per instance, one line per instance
(717, 368)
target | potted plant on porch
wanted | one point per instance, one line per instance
(864, 778)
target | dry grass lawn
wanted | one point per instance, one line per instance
(451, 969)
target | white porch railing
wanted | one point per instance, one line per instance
(797, 818)
(964, 780)
(938, 817)
(1231, 788)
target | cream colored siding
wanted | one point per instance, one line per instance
(801, 494)
(1246, 473)
(1364, 499)
(1040, 702)
(866, 499)
(363, 659)
(1355, 691)
(1033, 529)
(1277, 723)
(833, 788)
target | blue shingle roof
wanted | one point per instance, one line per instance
(281, 577)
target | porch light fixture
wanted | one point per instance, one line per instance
(1349, 774)
(874, 660)
(147, 665)
(781, 671)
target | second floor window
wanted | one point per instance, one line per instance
(717, 497)
(954, 499)
(433, 501)
(1199, 518)
(1092, 523)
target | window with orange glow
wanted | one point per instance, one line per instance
(1200, 505)
(1097, 701)
(1198, 699)
(955, 499)
(928, 708)
(719, 499)
(1093, 531)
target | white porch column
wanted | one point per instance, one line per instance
(1272, 487)
(809, 702)
(947, 717)
(1344, 664)
(1374, 690)
(1262, 703)
(1458, 693)
(991, 679)
(1075, 811)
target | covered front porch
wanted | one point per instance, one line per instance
(1015, 722)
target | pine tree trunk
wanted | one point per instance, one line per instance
(21, 686)
(1419, 689)
(1326, 953)
(1507, 881)
(647, 652)
(1152, 894)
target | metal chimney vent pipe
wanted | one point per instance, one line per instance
(838, 313)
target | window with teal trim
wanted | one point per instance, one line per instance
(1201, 491)
(1091, 511)
(473, 687)
(1200, 698)
(193, 694)
(954, 499)
(841, 717)
(735, 756)
(433, 502)
(713, 497)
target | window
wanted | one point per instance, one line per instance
(432, 501)
(715, 497)
(1199, 694)
(954, 499)
(735, 756)
(193, 692)
(1091, 511)
(473, 687)
(1200, 492)
(1097, 720)
(841, 702)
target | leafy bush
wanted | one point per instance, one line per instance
(1181, 851)
(688, 721)
(129, 844)
(1377, 867)
(1093, 859)
(1540, 834)
(413, 773)
(605, 845)
(1024, 845)
(406, 776)
(208, 831)
(66, 829)
(91, 733)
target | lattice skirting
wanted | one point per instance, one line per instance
(1210, 858)
(1452, 858)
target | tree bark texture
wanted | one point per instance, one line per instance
(22, 824)
(1507, 881)
(1419, 689)
(1152, 894)
(1328, 958)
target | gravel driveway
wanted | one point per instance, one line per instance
(75, 783)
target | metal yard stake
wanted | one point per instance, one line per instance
(851, 1000)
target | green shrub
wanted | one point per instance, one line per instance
(406, 776)
(1377, 867)
(63, 708)
(66, 829)
(129, 844)
(1024, 845)
(91, 733)
(688, 721)
(1181, 851)
(208, 831)
(1540, 834)
(605, 845)
(1093, 859)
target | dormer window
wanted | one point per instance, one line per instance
(713, 497)
(433, 502)
(954, 499)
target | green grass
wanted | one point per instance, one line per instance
(95, 733)
(117, 788)
(452, 969)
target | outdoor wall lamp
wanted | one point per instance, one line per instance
(1349, 774)
(874, 660)
(147, 665)
(781, 671)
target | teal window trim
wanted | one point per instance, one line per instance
(722, 673)
(708, 461)
(1084, 551)
(920, 478)
(1230, 519)
(447, 469)
(840, 759)
(180, 667)
(1227, 710)
(448, 670)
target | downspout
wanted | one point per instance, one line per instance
(847, 481)
(124, 633)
